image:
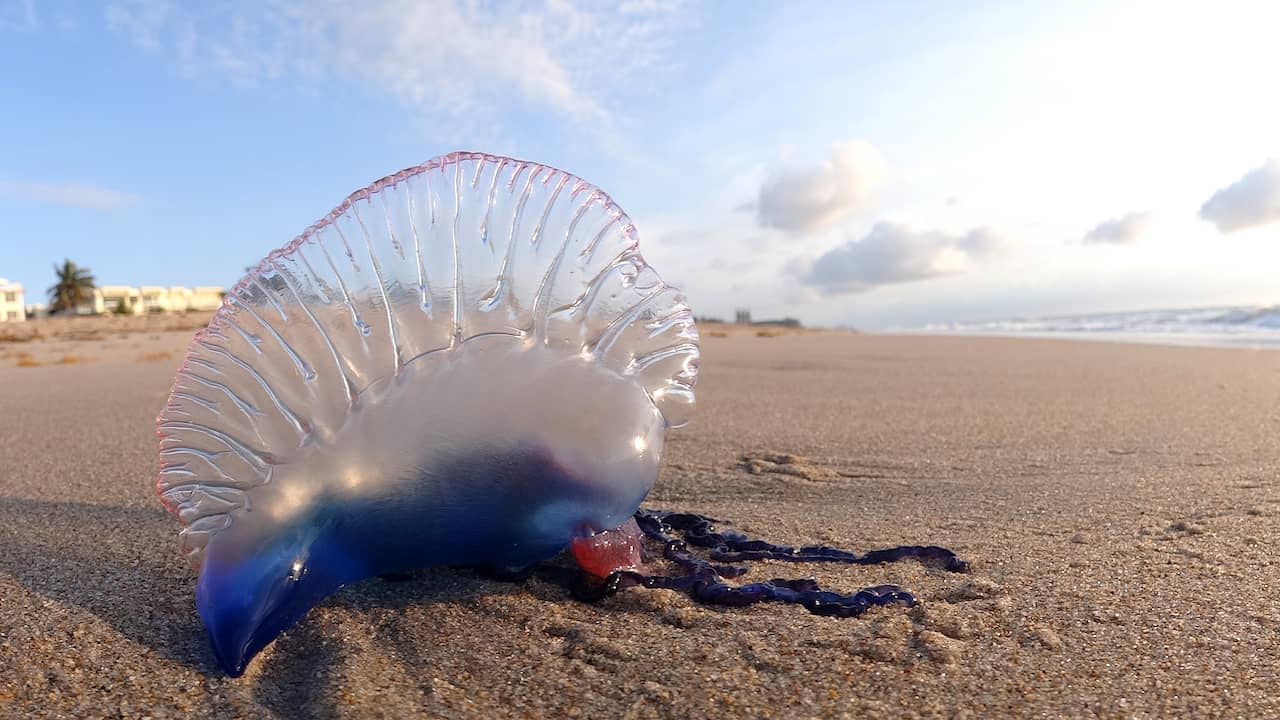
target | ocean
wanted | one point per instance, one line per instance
(1241, 326)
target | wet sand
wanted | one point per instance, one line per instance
(1120, 506)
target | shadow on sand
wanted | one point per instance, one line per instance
(121, 565)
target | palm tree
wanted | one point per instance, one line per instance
(74, 287)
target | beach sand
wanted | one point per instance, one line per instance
(1120, 506)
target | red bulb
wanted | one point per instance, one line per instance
(605, 553)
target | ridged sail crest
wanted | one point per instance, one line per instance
(419, 263)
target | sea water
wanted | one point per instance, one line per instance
(1238, 326)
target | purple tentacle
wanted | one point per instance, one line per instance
(703, 578)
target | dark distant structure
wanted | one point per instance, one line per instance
(743, 317)
(789, 322)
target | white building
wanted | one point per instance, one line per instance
(155, 299)
(150, 299)
(205, 298)
(12, 307)
(179, 299)
(117, 299)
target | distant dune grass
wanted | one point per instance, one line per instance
(100, 327)
(13, 335)
(27, 360)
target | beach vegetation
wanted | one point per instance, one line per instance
(74, 288)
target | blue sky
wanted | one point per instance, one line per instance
(871, 164)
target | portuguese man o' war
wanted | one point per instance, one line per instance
(466, 363)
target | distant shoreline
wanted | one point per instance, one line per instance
(1242, 341)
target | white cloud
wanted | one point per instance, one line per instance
(72, 196)
(442, 55)
(814, 199)
(1123, 230)
(1248, 202)
(898, 253)
(142, 21)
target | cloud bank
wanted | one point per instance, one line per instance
(814, 199)
(1123, 230)
(444, 55)
(84, 197)
(898, 253)
(1251, 201)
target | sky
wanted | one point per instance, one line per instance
(875, 165)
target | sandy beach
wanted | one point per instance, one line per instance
(1119, 504)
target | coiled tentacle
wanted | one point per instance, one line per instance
(703, 578)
